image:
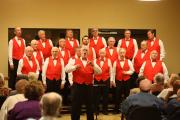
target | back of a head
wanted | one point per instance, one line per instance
(20, 85)
(139, 79)
(34, 90)
(145, 85)
(159, 78)
(32, 76)
(50, 104)
(176, 86)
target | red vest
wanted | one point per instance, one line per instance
(155, 46)
(66, 56)
(26, 66)
(97, 46)
(90, 54)
(71, 48)
(18, 51)
(112, 57)
(105, 71)
(130, 49)
(150, 72)
(39, 58)
(83, 75)
(45, 50)
(54, 72)
(138, 61)
(119, 75)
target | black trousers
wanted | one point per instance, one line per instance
(134, 80)
(82, 93)
(13, 75)
(40, 76)
(53, 85)
(101, 89)
(121, 92)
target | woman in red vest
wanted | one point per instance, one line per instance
(38, 55)
(129, 44)
(71, 42)
(122, 70)
(16, 51)
(45, 45)
(53, 74)
(97, 42)
(155, 43)
(28, 63)
(83, 71)
(102, 81)
(153, 66)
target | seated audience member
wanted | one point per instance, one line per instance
(144, 98)
(164, 93)
(4, 91)
(12, 100)
(158, 84)
(31, 107)
(176, 87)
(32, 76)
(50, 106)
(173, 104)
(137, 90)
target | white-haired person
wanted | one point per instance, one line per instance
(122, 70)
(45, 45)
(28, 63)
(50, 104)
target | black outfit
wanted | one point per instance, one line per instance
(82, 93)
(53, 85)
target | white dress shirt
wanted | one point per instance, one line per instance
(109, 65)
(9, 104)
(21, 64)
(35, 54)
(11, 49)
(44, 70)
(165, 71)
(127, 44)
(129, 72)
(72, 42)
(162, 49)
(70, 67)
(44, 44)
(103, 41)
(63, 52)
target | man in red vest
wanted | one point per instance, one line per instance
(129, 44)
(53, 73)
(102, 81)
(82, 89)
(122, 70)
(111, 50)
(85, 43)
(71, 42)
(38, 55)
(16, 51)
(28, 63)
(97, 42)
(155, 43)
(153, 66)
(142, 55)
(45, 45)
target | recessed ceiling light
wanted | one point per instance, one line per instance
(149, 0)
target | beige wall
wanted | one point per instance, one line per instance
(164, 16)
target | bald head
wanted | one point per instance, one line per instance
(145, 85)
(102, 53)
(154, 55)
(122, 53)
(50, 104)
(34, 44)
(94, 32)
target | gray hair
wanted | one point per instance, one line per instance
(159, 78)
